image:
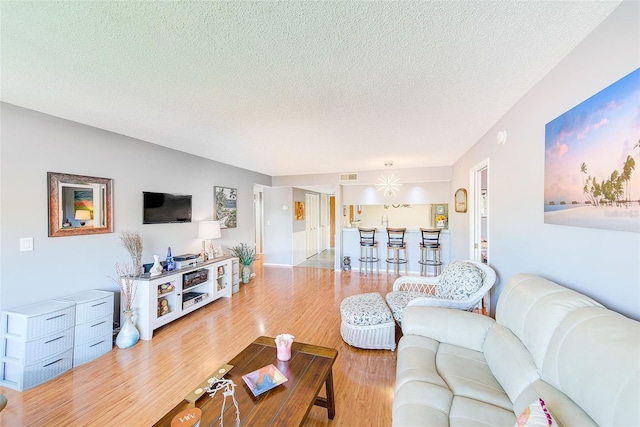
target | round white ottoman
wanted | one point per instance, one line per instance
(367, 322)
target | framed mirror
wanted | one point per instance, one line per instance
(79, 205)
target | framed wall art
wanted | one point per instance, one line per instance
(592, 159)
(299, 210)
(460, 200)
(225, 206)
(79, 205)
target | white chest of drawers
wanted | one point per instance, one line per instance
(37, 343)
(93, 335)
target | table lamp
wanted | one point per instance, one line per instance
(208, 230)
(82, 216)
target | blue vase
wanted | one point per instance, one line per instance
(170, 264)
(128, 335)
(246, 274)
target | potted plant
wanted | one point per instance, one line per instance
(246, 255)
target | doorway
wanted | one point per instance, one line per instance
(479, 217)
(479, 236)
(312, 223)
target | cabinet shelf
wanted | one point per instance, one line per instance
(199, 285)
(166, 294)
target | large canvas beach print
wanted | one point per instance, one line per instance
(592, 161)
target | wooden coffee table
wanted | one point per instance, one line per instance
(285, 405)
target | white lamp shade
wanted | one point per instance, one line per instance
(209, 230)
(83, 215)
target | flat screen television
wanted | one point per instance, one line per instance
(163, 208)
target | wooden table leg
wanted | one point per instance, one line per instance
(331, 403)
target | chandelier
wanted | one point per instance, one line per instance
(389, 184)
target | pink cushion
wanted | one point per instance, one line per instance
(535, 415)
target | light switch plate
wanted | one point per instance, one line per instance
(26, 244)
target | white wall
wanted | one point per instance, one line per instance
(600, 263)
(408, 193)
(33, 144)
(278, 226)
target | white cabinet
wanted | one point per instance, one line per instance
(37, 343)
(165, 298)
(236, 275)
(93, 333)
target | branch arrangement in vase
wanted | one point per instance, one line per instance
(245, 253)
(127, 284)
(132, 242)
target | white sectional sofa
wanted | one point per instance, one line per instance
(457, 368)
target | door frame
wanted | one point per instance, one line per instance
(475, 219)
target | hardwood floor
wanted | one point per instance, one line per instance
(136, 386)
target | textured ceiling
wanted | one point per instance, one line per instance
(289, 87)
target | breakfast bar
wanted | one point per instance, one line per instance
(351, 246)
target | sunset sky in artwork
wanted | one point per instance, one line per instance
(601, 132)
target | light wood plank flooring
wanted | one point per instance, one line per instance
(136, 386)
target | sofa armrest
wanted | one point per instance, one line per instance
(461, 328)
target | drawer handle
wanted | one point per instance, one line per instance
(97, 324)
(55, 317)
(55, 339)
(102, 303)
(98, 343)
(52, 363)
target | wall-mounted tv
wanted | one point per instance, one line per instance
(163, 208)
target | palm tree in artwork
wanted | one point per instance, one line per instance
(627, 170)
(583, 170)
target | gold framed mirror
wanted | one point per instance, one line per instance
(79, 205)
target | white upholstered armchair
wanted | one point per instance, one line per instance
(462, 285)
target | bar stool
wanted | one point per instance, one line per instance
(430, 251)
(367, 246)
(395, 244)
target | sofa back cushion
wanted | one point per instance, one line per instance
(594, 358)
(509, 361)
(533, 307)
(586, 352)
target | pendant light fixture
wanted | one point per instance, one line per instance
(389, 184)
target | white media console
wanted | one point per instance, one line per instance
(162, 299)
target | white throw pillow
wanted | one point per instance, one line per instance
(459, 279)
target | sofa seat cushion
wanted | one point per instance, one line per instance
(418, 403)
(441, 384)
(467, 374)
(417, 361)
(467, 412)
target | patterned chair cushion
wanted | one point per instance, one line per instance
(459, 280)
(398, 300)
(365, 310)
